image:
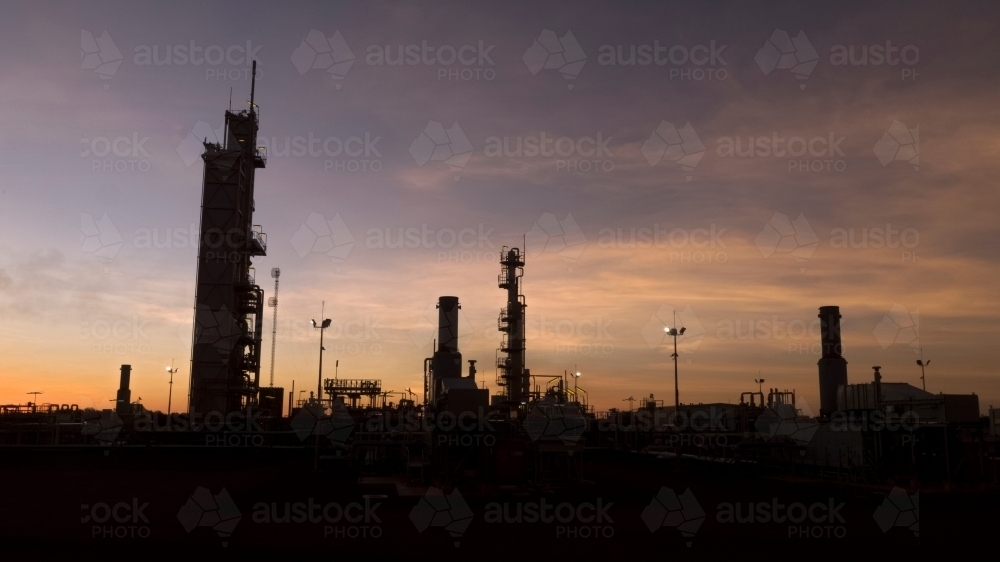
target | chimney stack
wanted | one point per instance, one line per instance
(123, 404)
(832, 366)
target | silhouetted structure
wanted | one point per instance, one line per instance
(511, 374)
(832, 365)
(225, 362)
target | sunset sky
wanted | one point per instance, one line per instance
(744, 168)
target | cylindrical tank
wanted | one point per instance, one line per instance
(832, 366)
(448, 323)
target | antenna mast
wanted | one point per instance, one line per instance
(273, 303)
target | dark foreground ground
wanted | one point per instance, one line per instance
(137, 505)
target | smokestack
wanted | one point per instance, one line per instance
(447, 361)
(448, 323)
(832, 366)
(124, 399)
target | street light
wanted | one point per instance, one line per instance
(674, 332)
(760, 387)
(170, 394)
(923, 364)
(321, 327)
(576, 387)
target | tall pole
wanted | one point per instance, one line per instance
(319, 382)
(276, 273)
(677, 391)
(923, 364)
(170, 393)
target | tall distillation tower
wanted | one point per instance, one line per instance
(228, 318)
(511, 374)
